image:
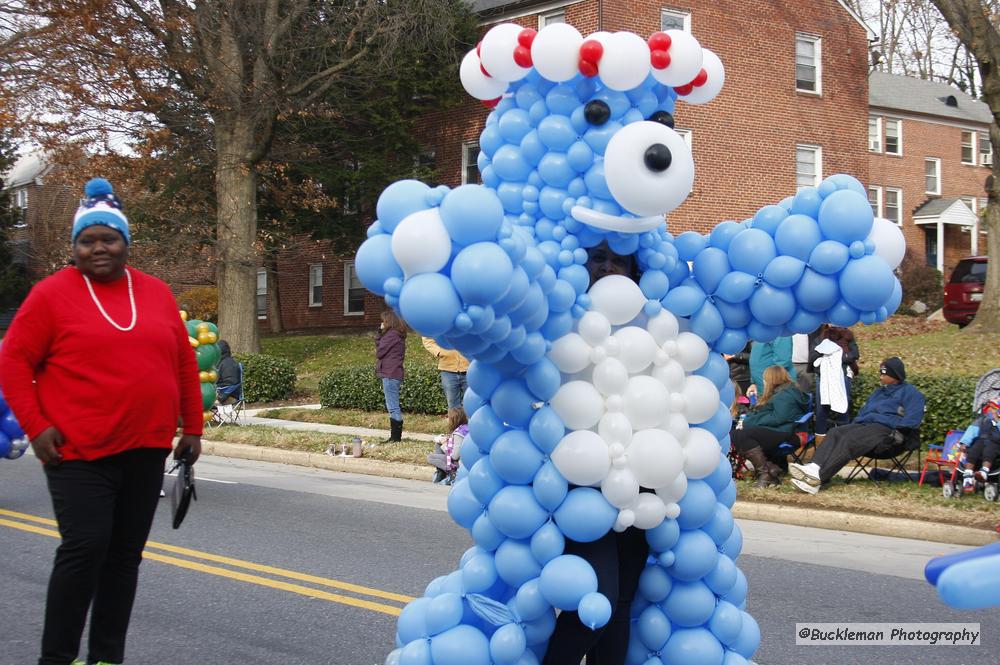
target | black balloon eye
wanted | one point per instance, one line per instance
(664, 118)
(657, 157)
(597, 112)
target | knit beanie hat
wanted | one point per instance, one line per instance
(100, 206)
(894, 368)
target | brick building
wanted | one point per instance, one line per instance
(793, 111)
(930, 155)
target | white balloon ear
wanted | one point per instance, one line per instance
(497, 52)
(708, 82)
(685, 58)
(555, 52)
(476, 83)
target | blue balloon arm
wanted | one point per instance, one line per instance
(972, 583)
(937, 565)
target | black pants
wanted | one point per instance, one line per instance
(618, 559)
(104, 509)
(768, 439)
(847, 442)
(983, 450)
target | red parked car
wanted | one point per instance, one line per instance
(964, 290)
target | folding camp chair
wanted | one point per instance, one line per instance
(897, 457)
(947, 455)
(230, 406)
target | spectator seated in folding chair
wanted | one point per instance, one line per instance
(982, 442)
(887, 427)
(770, 425)
(229, 389)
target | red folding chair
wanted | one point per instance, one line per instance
(945, 456)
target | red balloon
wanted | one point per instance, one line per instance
(522, 56)
(588, 68)
(591, 51)
(526, 37)
(659, 41)
(700, 79)
(684, 89)
(659, 59)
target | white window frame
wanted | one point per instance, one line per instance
(877, 203)
(972, 146)
(685, 18)
(261, 272)
(468, 163)
(348, 267)
(817, 43)
(687, 135)
(21, 198)
(545, 18)
(971, 203)
(899, 204)
(937, 175)
(985, 157)
(898, 124)
(876, 144)
(314, 269)
(818, 175)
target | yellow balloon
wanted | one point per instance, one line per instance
(212, 337)
(184, 315)
(206, 416)
(213, 376)
(194, 343)
(203, 327)
(205, 337)
(204, 376)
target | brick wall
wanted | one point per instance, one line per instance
(922, 138)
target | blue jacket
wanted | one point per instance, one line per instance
(897, 405)
(984, 428)
(765, 354)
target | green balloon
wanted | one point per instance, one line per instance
(207, 395)
(192, 327)
(208, 356)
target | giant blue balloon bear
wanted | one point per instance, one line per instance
(580, 394)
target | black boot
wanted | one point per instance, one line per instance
(761, 468)
(395, 431)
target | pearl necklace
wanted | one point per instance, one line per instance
(131, 300)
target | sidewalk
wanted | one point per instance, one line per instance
(767, 512)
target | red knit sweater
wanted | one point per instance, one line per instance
(62, 364)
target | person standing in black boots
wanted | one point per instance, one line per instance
(390, 348)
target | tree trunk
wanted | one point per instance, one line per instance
(274, 297)
(236, 190)
(988, 317)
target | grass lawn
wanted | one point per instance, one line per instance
(412, 422)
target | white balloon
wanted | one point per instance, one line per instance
(582, 458)
(611, 347)
(555, 52)
(421, 243)
(626, 518)
(716, 78)
(692, 351)
(641, 189)
(673, 511)
(611, 377)
(701, 399)
(677, 424)
(655, 457)
(617, 297)
(685, 60)
(701, 453)
(578, 404)
(673, 492)
(620, 487)
(593, 326)
(598, 355)
(615, 428)
(663, 327)
(625, 62)
(475, 82)
(649, 511)
(497, 52)
(889, 242)
(570, 353)
(638, 348)
(645, 402)
(670, 374)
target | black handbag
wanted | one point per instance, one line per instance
(183, 490)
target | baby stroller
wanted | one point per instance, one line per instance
(987, 389)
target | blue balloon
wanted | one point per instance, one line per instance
(585, 515)
(772, 306)
(484, 481)
(375, 263)
(720, 526)
(829, 257)
(723, 577)
(549, 486)
(463, 506)
(738, 594)
(817, 292)
(784, 271)
(663, 536)
(734, 544)
(655, 584)
(594, 610)
(537, 632)
(485, 534)
(846, 216)
(399, 200)
(732, 658)
(417, 652)
(751, 250)
(514, 124)
(804, 322)
(726, 622)
(693, 645)
(695, 554)
(867, 283)
(953, 583)
(749, 639)
(768, 219)
(736, 287)
(653, 628)
(689, 604)
(5, 445)
(483, 378)
(710, 266)
(565, 580)
(843, 315)
(895, 299)
(485, 426)
(547, 543)
(412, 624)
(841, 181)
(462, 645)
(515, 562)
(727, 497)
(531, 351)
(472, 213)
(529, 601)
(721, 476)
(515, 458)
(715, 369)
(707, 323)
(684, 300)
(697, 505)
(507, 644)
(512, 403)
(515, 512)
(543, 379)
(723, 233)
(429, 304)
(546, 429)
(445, 610)
(481, 273)
(798, 236)
(689, 244)
(807, 202)
(731, 341)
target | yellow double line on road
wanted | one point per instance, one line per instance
(28, 523)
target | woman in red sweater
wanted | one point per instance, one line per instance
(97, 368)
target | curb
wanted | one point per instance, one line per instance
(765, 512)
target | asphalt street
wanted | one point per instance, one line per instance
(282, 564)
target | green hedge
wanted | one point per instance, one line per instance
(357, 387)
(948, 401)
(266, 378)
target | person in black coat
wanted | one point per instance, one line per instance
(229, 375)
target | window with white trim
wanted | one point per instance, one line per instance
(354, 292)
(893, 205)
(675, 19)
(808, 63)
(893, 137)
(316, 285)
(970, 203)
(555, 16)
(874, 133)
(470, 157)
(875, 199)
(969, 148)
(261, 293)
(21, 198)
(808, 165)
(985, 150)
(932, 175)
